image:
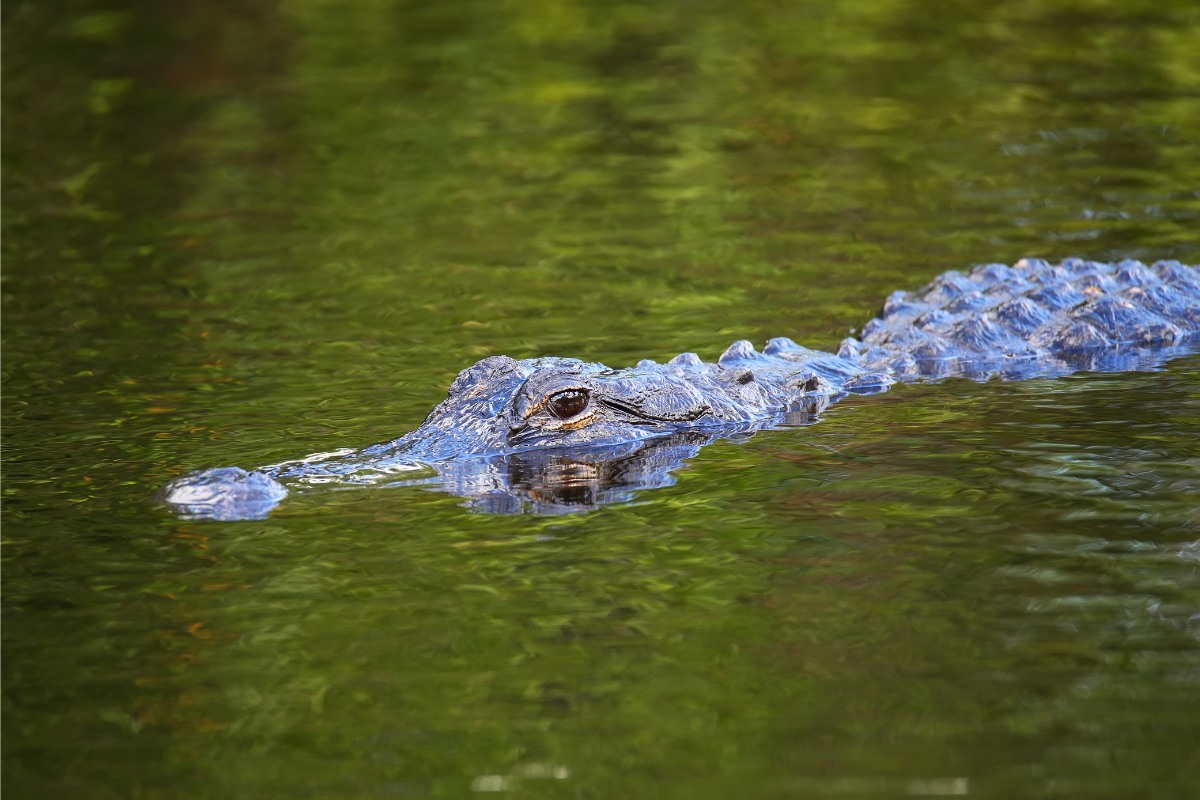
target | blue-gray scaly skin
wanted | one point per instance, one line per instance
(559, 434)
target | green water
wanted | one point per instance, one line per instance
(236, 233)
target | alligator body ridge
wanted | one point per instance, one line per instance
(511, 434)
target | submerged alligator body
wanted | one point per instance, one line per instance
(551, 435)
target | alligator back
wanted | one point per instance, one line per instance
(1034, 319)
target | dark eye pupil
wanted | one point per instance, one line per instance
(565, 405)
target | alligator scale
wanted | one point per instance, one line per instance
(551, 435)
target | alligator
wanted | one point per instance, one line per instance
(553, 435)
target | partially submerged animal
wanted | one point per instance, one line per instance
(557, 434)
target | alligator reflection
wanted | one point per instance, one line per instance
(569, 481)
(573, 479)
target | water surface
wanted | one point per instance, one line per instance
(239, 234)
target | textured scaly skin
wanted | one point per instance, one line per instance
(1033, 319)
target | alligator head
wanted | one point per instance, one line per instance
(550, 434)
(501, 405)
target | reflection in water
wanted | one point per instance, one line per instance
(568, 481)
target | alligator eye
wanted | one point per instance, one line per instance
(565, 405)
